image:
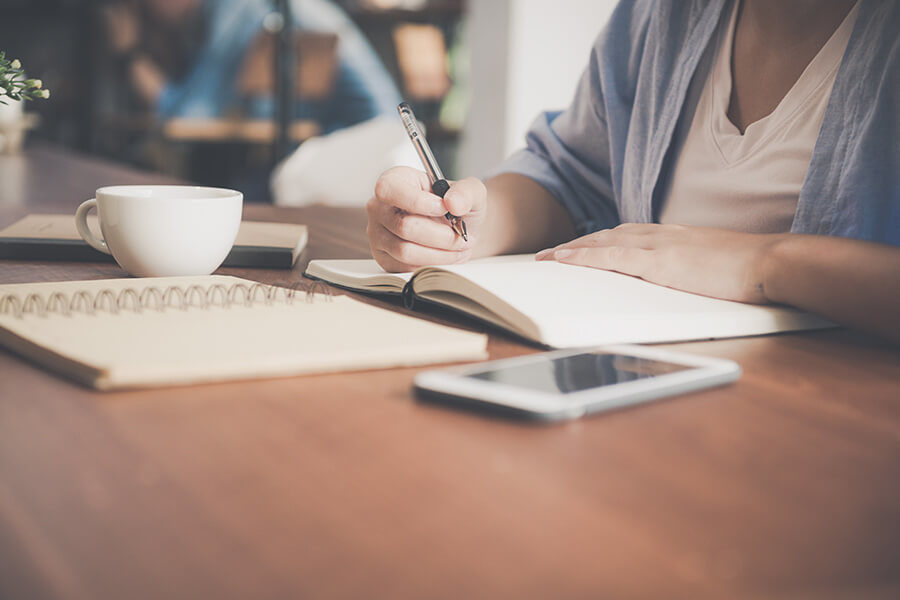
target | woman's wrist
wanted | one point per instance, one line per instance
(774, 267)
(522, 216)
(851, 282)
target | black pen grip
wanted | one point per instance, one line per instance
(440, 187)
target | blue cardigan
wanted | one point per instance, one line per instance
(605, 157)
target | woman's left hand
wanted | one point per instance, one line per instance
(713, 262)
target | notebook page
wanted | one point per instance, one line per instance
(184, 346)
(579, 306)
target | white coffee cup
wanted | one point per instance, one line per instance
(164, 230)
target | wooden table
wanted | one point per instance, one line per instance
(784, 485)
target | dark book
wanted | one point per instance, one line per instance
(53, 237)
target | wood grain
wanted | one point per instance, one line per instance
(783, 485)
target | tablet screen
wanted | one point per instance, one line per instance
(577, 372)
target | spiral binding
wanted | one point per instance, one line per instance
(160, 300)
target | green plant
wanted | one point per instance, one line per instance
(14, 85)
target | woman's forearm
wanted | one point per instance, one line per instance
(851, 282)
(522, 216)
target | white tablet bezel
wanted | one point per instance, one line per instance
(705, 372)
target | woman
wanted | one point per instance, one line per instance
(745, 150)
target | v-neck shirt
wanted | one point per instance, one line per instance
(608, 156)
(750, 182)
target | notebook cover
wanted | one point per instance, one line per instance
(156, 331)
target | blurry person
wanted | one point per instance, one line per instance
(740, 149)
(184, 57)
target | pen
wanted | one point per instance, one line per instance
(439, 185)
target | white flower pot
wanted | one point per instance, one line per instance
(11, 112)
(13, 123)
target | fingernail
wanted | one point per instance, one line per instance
(543, 254)
(562, 254)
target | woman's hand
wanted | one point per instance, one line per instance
(713, 262)
(407, 228)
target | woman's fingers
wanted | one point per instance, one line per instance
(622, 259)
(389, 264)
(407, 224)
(434, 232)
(403, 253)
(408, 189)
(631, 235)
(465, 196)
(627, 249)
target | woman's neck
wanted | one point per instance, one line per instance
(795, 19)
(774, 41)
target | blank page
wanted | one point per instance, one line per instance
(580, 306)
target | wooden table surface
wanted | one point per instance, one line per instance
(783, 485)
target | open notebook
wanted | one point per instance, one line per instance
(119, 333)
(563, 305)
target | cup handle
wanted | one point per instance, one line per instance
(82, 226)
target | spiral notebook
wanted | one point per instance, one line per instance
(564, 306)
(129, 333)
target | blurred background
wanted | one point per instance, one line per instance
(294, 101)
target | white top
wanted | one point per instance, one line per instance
(751, 182)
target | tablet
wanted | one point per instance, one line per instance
(567, 384)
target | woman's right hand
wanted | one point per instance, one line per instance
(407, 228)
